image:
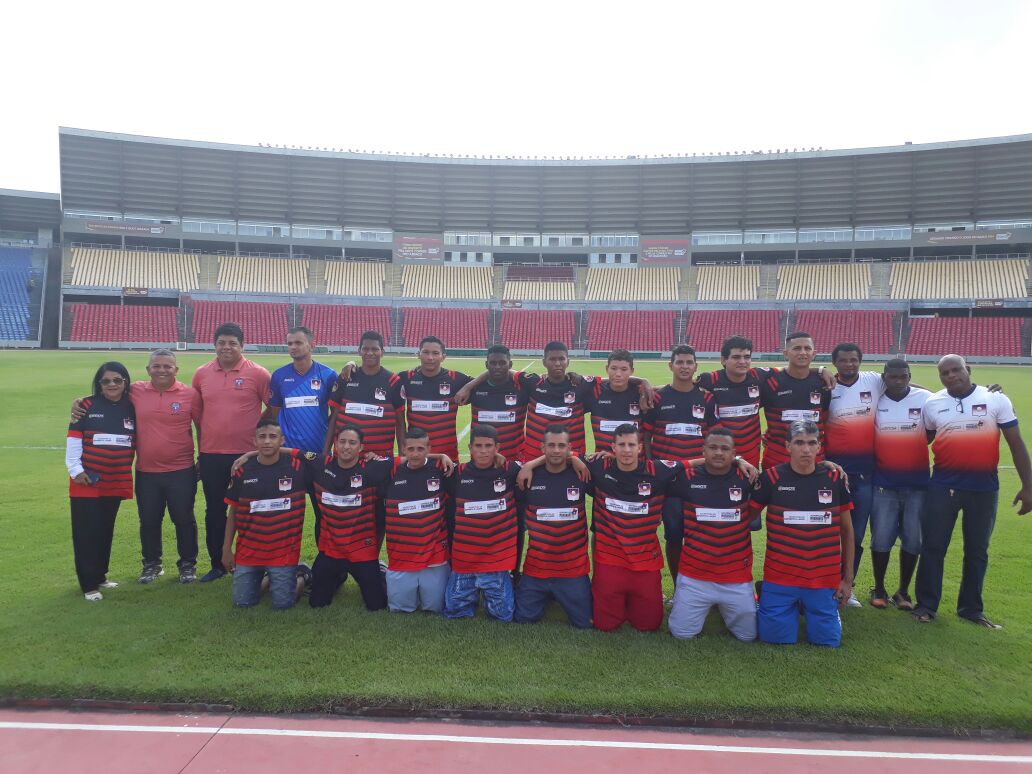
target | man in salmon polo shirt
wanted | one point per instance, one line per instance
(233, 391)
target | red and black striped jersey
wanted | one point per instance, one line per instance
(429, 406)
(372, 403)
(626, 511)
(557, 525)
(484, 537)
(717, 538)
(108, 434)
(786, 400)
(678, 423)
(804, 546)
(504, 407)
(556, 403)
(610, 409)
(415, 503)
(350, 505)
(738, 408)
(270, 511)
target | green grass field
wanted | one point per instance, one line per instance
(185, 643)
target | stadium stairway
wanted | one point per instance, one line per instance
(581, 282)
(768, 281)
(316, 277)
(690, 282)
(208, 274)
(497, 289)
(392, 285)
(881, 280)
(1026, 337)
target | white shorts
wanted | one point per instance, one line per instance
(694, 598)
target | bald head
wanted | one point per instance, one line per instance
(955, 375)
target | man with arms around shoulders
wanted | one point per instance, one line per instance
(428, 392)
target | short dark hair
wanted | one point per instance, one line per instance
(305, 330)
(432, 340)
(267, 422)
(499, 349)
(896, 362)
(416, 434)
(556, 429)
(722, 432)
(230, 329)
(620, 354)
(555, 346)
(846, 346)
(353, 428)
(118, 368)
(797, 335)
(627, 428)
(483, 431)
(371, 336)
(681, 349)
(735, 342)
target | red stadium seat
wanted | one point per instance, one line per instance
(262, 323)
(340, 326)
(636, 331)
(533, 329)
(457, 328)
(707, 330)
(869, 330)
(112, 322)
(987, 336)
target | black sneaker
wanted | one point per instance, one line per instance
(187, 573)
(151, 572)
(212, 575)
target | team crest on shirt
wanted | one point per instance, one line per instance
(670, 463)
(433, 484)
(572, 493)
(754, 391)
(570, 397)
(824, 496)
(356, 481)
(734, 494)
(510, 399)
(978, 410)
(865, 397)
(635, 409)
(644, 489)
(914, 413)
(815, 398)
(316, 384)
(175, 408)
(499, 484)
(380, 393)
(128, 424)
(698, 412)
(285, 484)
(444, 389)
(238, 383)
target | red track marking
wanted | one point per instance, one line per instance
(117, 742)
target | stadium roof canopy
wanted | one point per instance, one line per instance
(967, 180)
(29, 209)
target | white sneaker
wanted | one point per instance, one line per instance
(109, 584)
(853, 601)
(93, 596)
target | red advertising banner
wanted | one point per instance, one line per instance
(123, 228)
(418, 248)
(664, 251)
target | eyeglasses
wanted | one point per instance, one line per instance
(960, 405)
(113, 382)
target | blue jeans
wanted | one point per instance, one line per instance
(942, 506)
(462, 595)
(863, 494)
(778, 615)
(247, 585)
(896, 513)
(534, 595)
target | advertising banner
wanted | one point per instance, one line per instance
(664, 251)
(419, 247)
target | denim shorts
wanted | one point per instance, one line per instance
(247, 585)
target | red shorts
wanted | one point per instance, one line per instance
(634, 596)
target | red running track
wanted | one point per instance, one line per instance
(58, 741)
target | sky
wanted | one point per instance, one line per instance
(542, 79)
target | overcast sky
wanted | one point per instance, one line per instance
(556, 78)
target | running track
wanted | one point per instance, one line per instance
(58, 741)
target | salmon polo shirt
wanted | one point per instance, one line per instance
(232, 405)
(164, 439)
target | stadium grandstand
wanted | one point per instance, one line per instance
(910, 250)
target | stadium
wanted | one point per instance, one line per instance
(912, 250)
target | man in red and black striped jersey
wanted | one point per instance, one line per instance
(428, 392)
(370, 398)
(554, 517)
(415, 502)
(615, 400)
(809, 557)
(500, 400)
(626, 511)
(484, 539)
(716, 563)
(674, 429)
(557, 398)
(349, 491)
(797, 393)
(266, 499)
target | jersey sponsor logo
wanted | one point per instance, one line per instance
(430, 405)
(815, 398)
(799, 415)
(363, 409)
(748, 410)
(865, 397)
(807, 517)
(510, 399)
(433, 484)
(570, 397)
(356, 480)
(498, 417)
(379, 393)
(572, 493)
(238, 383)
(634, 409)
(444, 389)
(824, 496)
(564, 412)
(129, 424)
(977, 410)
(250, 480)
(754, 391)
(316, 384)
(684, 428)
(265, 506)
(698, 412)
(670, 463)
(557, 514)
(629, 508)
(644, 488)
(342, 501)
(718, 514)
(301, 401)
(111, 439)
(610, 425)
(176, 407)
(734, 494)
(285, 483)
(406, 507)
(786, 488)
(499, 485)
(484, 506)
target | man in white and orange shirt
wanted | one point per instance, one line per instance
(964, 422)
(233, 391)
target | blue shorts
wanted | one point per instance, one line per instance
(778, 615)
(896, 513)
(247, 585)
(462, 595)
(533, 596)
